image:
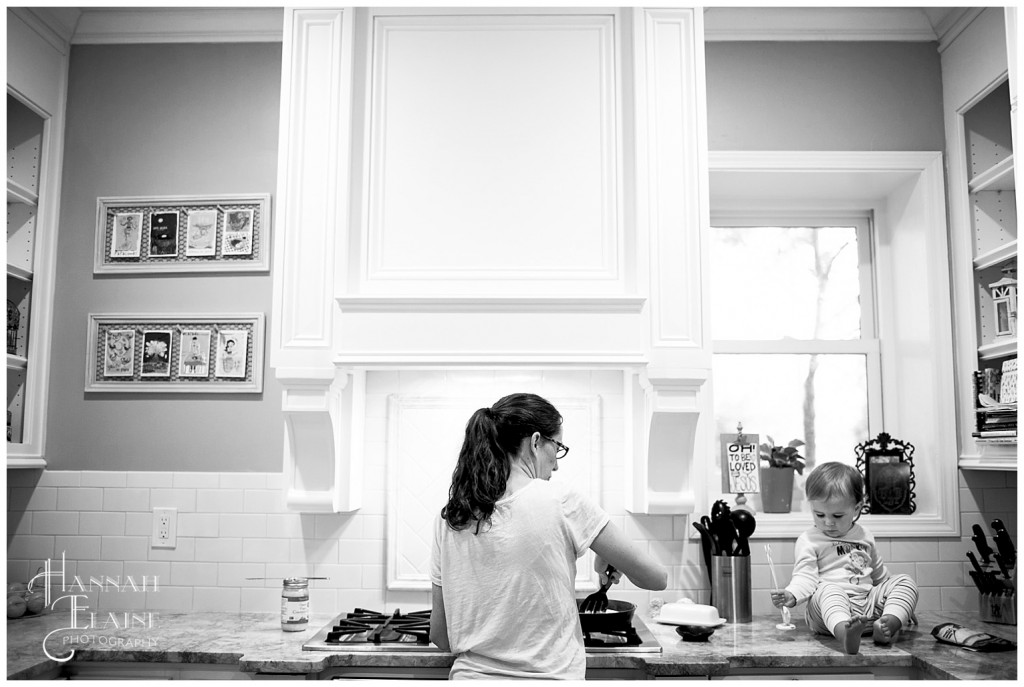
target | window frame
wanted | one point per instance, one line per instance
(867, 345)
(904, 192)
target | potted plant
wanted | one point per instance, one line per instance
(778, 464)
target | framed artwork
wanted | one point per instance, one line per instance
(888, 468)
(163, 234)
(156, 353)
(237, 234)
(127, 239)
(232, 349)
(194, 359)
(201, 234)
(182, 234)
(150, 352)
(119, 353)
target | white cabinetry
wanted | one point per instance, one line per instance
(36, 90)
(980, 103)
(497, 191)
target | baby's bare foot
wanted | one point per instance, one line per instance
(886, 629)
(848, 633)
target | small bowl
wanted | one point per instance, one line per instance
(694, 633)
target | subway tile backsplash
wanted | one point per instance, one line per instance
(232, 526)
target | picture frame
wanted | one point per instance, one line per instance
(887, 465)
(143, 234)
(127, 235)
(175, 353)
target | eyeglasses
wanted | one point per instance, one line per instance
(562, 448)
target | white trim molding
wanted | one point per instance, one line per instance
(106, 25)
(819, 24)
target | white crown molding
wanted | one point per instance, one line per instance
(54, 25)
(179, 25)
(953, 24)
(817, 24)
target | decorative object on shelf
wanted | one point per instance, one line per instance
(740, 471)
(13, 322)
(228, 233)
(1004, 302)
(1008, 382)
(778, 463)
(888, 468)
(152, 352)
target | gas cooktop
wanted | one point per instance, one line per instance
(362, 630)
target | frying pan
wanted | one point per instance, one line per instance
(619, 617)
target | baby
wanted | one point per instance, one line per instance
(838, 570)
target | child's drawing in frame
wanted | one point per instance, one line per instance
(163, 234)
(237, 235)
(201, 235)
(127, 239)
(119, 353)
(156, 353)
(232, 350)
(194, 358)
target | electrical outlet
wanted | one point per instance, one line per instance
(165, 528)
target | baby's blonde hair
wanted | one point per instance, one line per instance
(833, 479)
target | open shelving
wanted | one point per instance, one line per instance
(991, 188)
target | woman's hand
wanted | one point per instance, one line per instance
(781, 597)
(600, 566)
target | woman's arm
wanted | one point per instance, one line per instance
(643, 570)
(438, 621)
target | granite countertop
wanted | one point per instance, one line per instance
(255, 643)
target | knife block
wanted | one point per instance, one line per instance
(998, 608)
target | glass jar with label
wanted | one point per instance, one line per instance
(295, 604)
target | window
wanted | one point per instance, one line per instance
(793, 324)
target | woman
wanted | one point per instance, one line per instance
(505, 548)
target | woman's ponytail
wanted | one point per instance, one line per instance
(492, 437)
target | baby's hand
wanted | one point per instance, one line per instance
(781, 597)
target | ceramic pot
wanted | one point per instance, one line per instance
(776, 489)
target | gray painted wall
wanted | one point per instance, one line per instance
(158, 120)
(824, 96)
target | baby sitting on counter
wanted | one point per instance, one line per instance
(838, 570)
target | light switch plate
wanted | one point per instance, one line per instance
(165, 528)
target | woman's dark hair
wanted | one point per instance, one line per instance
(493, 436)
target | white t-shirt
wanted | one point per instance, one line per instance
(509, 592)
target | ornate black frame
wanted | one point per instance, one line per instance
(884, 450)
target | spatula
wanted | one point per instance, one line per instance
(598, 601)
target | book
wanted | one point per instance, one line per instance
(1008, 382)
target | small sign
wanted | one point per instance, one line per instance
(740, 467)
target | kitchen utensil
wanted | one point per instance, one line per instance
(1002, 566)
(727, 535)
(598, 601)
(1004, 543)
(705, 546)
(720, 509)
(745, 523)
(705, 522)
(981, 543)
(617, 617)
(785, 624)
